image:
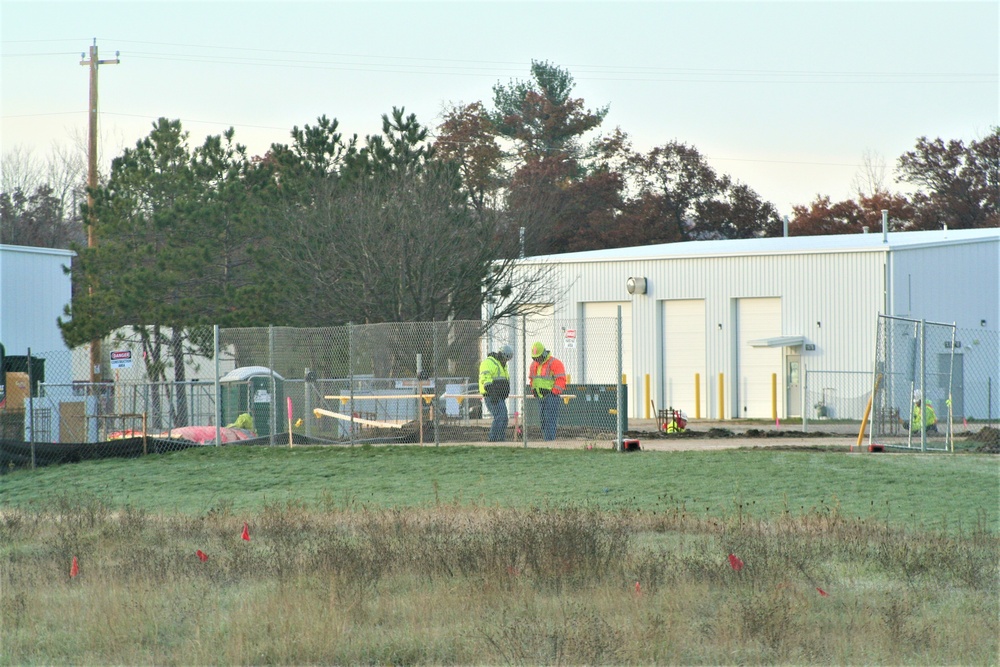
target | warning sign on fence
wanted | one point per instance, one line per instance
(121, 359)
(570, 338)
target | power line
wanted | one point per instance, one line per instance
(588, 72)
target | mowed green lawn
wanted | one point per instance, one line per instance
(933, 491)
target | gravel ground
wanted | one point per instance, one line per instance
(707, 435)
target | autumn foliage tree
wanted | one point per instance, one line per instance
(959, 184)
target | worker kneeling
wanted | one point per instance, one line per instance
(677, 423)
(923, 415)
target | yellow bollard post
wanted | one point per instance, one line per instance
(774, 397)
(722, 398)
(697, 395)
(647, 395)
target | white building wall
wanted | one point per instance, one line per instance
(34, 290)
(956, 282)
(831, 299)
(831, 290)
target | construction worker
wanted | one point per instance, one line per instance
(494, 387)
(923, 415)
(548, 381)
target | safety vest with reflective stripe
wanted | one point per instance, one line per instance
(490, 370)
(549, 374)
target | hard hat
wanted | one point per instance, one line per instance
(537, 349)
(917, 395)
(507, 351)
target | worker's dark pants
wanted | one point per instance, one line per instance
(497, 408)
(549, 412)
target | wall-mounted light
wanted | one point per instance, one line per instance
(720, 326)
(636, 285)
(819, 324)
(982, 323)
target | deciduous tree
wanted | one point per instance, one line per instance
(959, 184)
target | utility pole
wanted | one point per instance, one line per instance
(93, 62)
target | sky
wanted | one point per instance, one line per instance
(792, 98)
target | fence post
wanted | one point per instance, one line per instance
(524, 381)
(923, 393)
(274, 385)
(31, 410)
(350, 376)
(804, 392)
(218, 389)
(619, 434)
(437, 402)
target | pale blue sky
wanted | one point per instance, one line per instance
(788, 97)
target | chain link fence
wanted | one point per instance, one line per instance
(419, 383)
(354, 384)
(834, 395)
(913, 382)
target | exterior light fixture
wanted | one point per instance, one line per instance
(636, 285)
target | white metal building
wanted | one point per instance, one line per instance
(34, 290)
(713, 323)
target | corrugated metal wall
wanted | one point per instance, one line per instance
(831, 299)
(957, 283)
(34, 289)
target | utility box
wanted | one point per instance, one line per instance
(594, 407)
(256, 390)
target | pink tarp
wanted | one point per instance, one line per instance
(206, 434)
(199, 434)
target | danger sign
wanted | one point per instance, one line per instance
(570, 338)
(121, 359)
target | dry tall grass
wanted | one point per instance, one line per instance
(461, 585)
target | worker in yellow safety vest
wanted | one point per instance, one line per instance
(494, 387)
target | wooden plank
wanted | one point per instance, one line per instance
(358, 420)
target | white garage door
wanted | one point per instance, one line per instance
(683, 355)
(757, 318)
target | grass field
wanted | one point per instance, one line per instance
(470, 555)
(915, 490)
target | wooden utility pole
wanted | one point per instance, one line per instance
(93, 62)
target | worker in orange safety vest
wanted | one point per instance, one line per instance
(547, 377)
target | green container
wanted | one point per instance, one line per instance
(593, 407)
(256, 390)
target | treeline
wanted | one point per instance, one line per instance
(406, 226)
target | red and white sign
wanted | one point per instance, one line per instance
(121, 359)
(569, 338)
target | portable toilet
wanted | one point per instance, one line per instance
(256, 390)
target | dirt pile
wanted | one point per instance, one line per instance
(988, 439)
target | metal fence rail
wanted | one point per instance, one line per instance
(382, 383)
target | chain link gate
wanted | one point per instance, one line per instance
(912, 404)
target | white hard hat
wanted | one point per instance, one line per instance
(917, 395)
(507, 351)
